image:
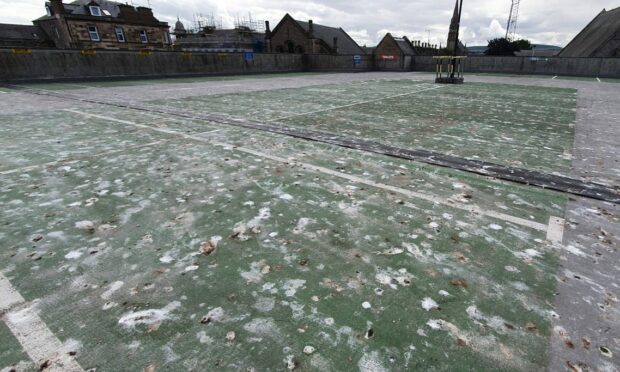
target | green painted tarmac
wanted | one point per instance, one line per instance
(105, 231)
(147, 82)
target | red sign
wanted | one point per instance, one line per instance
(388, 57)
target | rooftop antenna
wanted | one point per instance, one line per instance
(511, 27)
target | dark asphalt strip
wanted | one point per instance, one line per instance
(518, 175)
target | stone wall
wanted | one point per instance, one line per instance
(75, 65)
(599, 67)
(337, 63)
(66, 65)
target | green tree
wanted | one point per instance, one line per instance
(524, 44)
(505, 47)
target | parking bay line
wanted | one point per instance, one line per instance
(37, 340)
(413, 194)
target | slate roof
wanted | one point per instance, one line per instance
(604, 28)
(80, 7)
(21, 32)
(404, 45)
(346, 45)
(109, 9)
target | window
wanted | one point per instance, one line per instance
(95, 10)
(120, 34)
(166, 38)
(94, 33)
(48, 11)
(144, 37)
(290, 46)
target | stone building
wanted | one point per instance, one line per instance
(393, 53)
(600, 38)
(212, 39)
(23, 36)
(292, 36)
(102, 24)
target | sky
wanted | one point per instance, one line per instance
(553, 22)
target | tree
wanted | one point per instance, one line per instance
(524, 44)
(505, 47)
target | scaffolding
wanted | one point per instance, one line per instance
(249, 24)
(207, 22)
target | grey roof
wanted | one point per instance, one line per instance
(80, 7)
(21, 32)
(603, 28)
(404, 45)
(346, 45)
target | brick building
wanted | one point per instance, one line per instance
(292, 36)
(90, 24)
(395, 53)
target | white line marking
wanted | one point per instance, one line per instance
(409, 193)
(3, 92)
(177, 89)
(555, 231)
(555, 77)
(59, 162)
(599, 80)
(82, 86)
(356, 104)
(413, 194)
(35, 337)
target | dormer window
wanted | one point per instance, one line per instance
(48, 10)
(95, 10)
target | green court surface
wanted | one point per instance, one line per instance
(147, 82)
(145, 241)
(518, 126)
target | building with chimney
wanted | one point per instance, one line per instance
(292, 36)
(102, 24)
(396, 53)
